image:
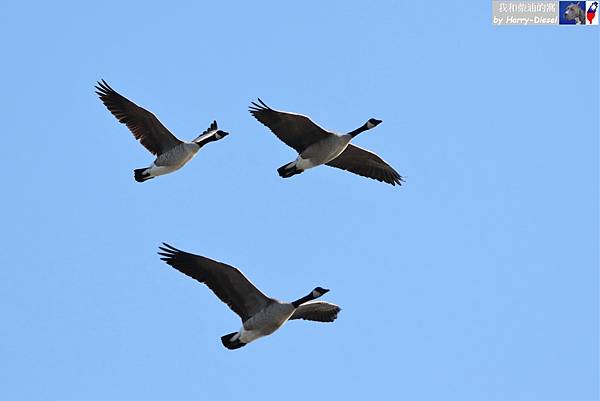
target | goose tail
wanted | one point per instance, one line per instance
(289, 170)
(141, 174)
(229, 344)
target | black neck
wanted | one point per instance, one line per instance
(358, 131)
(204, 141)
(303, 300)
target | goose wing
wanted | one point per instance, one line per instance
(295, 130)
(317, 311)
(144, 125)
(362, 162)
(227, 282)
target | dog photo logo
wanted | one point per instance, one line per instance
(571, 12)
(592, 13)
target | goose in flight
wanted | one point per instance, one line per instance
(171, 153)
(316, 146)
(261, 315)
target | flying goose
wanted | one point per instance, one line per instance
(171, 153)
(260, 314)
(316, 146)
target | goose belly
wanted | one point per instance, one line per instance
(247, 336)
(321, 152)
(265, 322)
(177, 157)
(156, 170)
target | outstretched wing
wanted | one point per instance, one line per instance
(143, 124)
(227, 282)
(362, 162)
(295, 130)
(317, 311)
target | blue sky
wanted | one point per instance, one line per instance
(477, 280)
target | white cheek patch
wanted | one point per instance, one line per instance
(370, 125)
(315, 294)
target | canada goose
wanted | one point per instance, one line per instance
(171, 153)
(260, 314)
(316, 146)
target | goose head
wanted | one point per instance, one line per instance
(372, 123)
(316, 293)
(319, 292)
(220, 134)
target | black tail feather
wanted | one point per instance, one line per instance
(140, 176)
(226, 340)
(288, 170)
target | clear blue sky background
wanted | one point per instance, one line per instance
(477, 280)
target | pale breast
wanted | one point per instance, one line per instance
(178, 156)
(270, 319)
(326, 150)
